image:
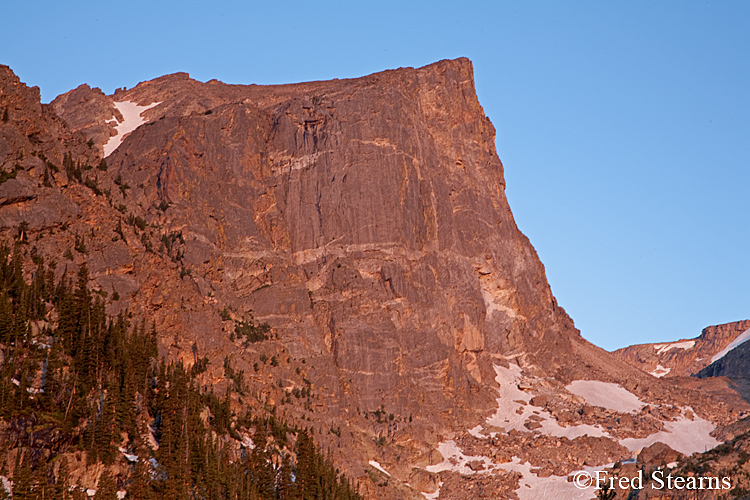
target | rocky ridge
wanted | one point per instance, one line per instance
(365, 221)
(684, 357)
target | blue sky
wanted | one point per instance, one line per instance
(624, 127)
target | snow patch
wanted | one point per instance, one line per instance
(247, 442)
(7, 484)
(662, 348)
(454, 460)
(435, 494)
(513, 410)
(533, 487)
(660, 371)
(606, 394)
(131, 120)
(740, 339)
(379, 467)
(128, 456)
(687, 434)
(477, 432)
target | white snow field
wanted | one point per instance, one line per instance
(686, 434)
(531, 486)
(131, 120)
(741, 339)
(507, 416)
(606, 395)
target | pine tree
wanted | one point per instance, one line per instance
(23, 481)
(260, 468)
(106, 488)
(286, 487)
(139, 488)
(62, 483)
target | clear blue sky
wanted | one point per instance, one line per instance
(624, 127)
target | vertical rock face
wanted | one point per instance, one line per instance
(365, 220)
(376, 210)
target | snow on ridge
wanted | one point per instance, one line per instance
(662, 348)
(606, 395)
(660, 371)
(131, 119)
(740, 339)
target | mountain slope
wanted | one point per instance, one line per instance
(365, 222)
(684, 357)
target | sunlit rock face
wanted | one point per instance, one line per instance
(364, 219)
(688, 356)
(366, 222)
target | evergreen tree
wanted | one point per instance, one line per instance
(106, 488)
(62, 483)
(23, 481)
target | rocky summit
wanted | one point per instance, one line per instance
(339, 256)
(687, 356)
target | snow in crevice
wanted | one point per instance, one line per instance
(660, 371)
(131, 120)
(662, 348)
(740, 339)
(379, 467)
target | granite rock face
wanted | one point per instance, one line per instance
(364, 220)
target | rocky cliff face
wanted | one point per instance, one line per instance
(685, 357)
(366, 222)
